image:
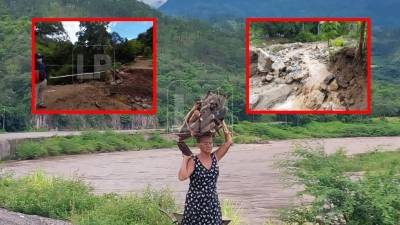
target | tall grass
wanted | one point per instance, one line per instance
(373, 161)
(254, 132)
(73, 200)
(46, 196)
(338, 198)
(244, 132)
(128, 210)
(89, 142)
(231, 212)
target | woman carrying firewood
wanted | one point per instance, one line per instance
(202, 204)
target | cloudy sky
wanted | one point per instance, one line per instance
(129, 29)
(154, 3)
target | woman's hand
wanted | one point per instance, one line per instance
(186, 158)
(227, 134)
(223, 149)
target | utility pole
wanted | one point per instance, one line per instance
(4, 118)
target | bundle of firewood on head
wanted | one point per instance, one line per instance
(205, 118)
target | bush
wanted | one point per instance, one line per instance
(52, 146)
(372, 199)
(156, 141)
(30, 150)
(306, 36)
(45, 196)
(338, 42)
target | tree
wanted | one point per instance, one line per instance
(361, 42)
(147, 38)
(50, 30)
(93, 33)
(93, 38)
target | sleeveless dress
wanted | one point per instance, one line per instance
(202, 206)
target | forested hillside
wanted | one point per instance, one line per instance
(383, 13)
(188, 50)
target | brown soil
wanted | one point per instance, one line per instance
(132, 90)
(353, 79)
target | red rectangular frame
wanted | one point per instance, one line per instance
(367, 111)
(154, 105)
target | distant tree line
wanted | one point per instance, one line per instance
(306, 31)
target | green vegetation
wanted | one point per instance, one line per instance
(386, 101)
(385, 58)
(72, 200)
(247, 132)
(229, 210)
(244, 133)
(188, 50)
(15, 66)
(372, 161)
(373, 198)
(129, 210)
(304, 31)
(90, 142)
(338, 42)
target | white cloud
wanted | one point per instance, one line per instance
(154, 3)
(71, 27)
(110, 26)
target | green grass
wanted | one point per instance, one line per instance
(89, 142)
(373, 198)
(244, 133)
(376, 161)
(46, 196)
(229, 210)
(373, 161)
(250, 132)
(128, 210)
(73, 200)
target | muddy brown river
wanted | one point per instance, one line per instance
(248, 176)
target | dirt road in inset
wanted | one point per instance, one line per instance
(127, 88)
(247, 173)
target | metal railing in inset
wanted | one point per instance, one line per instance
(84, 76)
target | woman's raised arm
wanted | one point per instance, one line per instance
(187, 168)
(223, 149)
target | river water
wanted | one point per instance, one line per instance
(248, 176)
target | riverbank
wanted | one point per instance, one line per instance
(243, 133)
(259, 198)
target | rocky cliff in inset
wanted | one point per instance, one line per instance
(306, 76)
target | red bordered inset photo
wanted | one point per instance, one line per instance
(308, 66)
(94, 66)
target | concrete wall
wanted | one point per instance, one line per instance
(5, 149)
(9, 141)
(9, 147)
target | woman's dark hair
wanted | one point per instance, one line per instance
(205, 135)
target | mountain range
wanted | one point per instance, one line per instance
(382, 13)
